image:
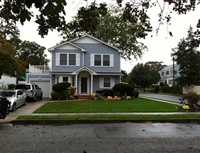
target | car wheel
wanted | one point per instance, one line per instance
(24, 102)
(14, 107)
(41, 96)
(35, 98)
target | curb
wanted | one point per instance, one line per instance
(100, 121)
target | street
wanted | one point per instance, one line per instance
(101, 138)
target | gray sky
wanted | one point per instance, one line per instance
(159, 45)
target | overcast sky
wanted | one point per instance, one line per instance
(159, 45)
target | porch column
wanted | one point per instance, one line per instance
(91, 84)
(76, 83)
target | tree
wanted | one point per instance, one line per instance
(9, 63)
(10, 32)
(125, 77)
(51, 13)
(119, 28)
(187, 57)
(32, 53)
(143, 76)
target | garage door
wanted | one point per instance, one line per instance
(45, 86)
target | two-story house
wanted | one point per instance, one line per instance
(88, 63)
(167, 74)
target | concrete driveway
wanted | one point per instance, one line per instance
(28, 109)
(160, 96)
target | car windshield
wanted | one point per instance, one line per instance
(7, 93)
(23, 87)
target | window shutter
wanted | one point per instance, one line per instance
(57, 59)
(77, 59)
(91, 59)
(112, 82)
(112, 60)
(100, 82)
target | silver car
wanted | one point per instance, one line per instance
(15, 97)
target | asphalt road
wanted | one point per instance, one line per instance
(101, 138)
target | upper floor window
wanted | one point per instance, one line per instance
(72, 59)
(102, 60)
(97, 60)
(167, 72)
(106, 60)
(67, 59)
(63, 59)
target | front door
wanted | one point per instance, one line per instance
(84, 85)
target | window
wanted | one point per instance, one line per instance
(102, 60)
(106, 60)
(97, 60)
(167, 72)
(72, 59)
(106, 82)
(67, 59)
(65, 79)
(63, 59)
(162, 74)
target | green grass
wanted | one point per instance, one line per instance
(102, 106)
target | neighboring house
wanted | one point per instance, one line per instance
(166, 74)
(88, 63)
(6, 80)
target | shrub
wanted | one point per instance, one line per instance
(136, 93)
(192, 98)
(157, 89)
(60, 95)
(11, 86)
(59, 87)
(120, 89)
(106, 92)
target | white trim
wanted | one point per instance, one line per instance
(101, 82)
(111, 60)
(91, 59)
(57, 59)
(81, 76)
(98, 40)
(77, 59)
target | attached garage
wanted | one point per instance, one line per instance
(45, 86)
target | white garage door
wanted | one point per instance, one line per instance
(45, 86)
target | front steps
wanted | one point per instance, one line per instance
(84, 96)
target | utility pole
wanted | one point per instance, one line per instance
(173, 76)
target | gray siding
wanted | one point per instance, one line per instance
(91, 49)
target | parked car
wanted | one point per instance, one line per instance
(33, 91)
(15, 97)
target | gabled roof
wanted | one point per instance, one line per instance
(66, 43)
(84, 68)
(71, 42)
(98, 40)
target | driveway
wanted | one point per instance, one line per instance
(28, 109)
(160, 96)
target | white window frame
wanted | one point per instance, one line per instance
(101, 82)
(92, 60)
(77, 59)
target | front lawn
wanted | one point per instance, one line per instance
(103, 106)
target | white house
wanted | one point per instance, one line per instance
(6, 80)
(167, 75)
